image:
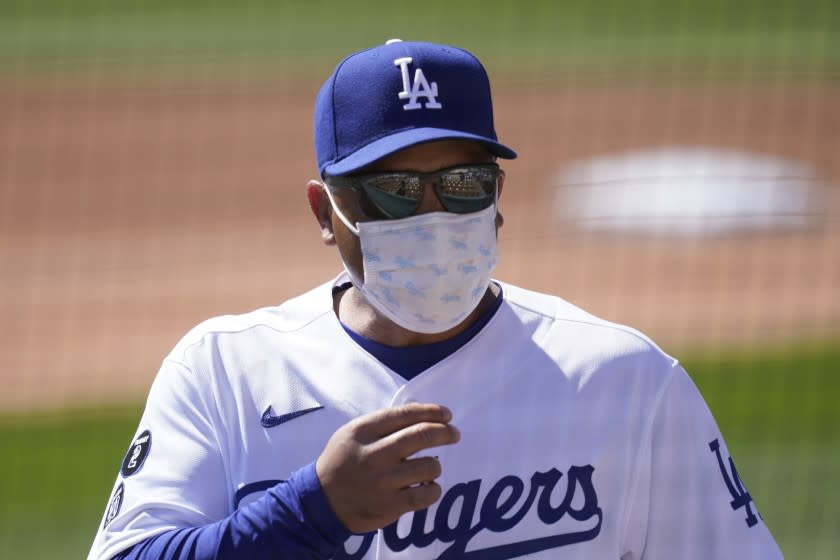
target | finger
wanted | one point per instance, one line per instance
(414, 438)
(416, 471)
(415, 498)
(387, 421)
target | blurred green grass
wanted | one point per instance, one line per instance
(57, 471)
(777, 408)
(213, 39)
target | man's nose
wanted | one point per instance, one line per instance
(430, 201)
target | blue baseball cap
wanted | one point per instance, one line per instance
(400, 94)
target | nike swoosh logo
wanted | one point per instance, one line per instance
(269, 419)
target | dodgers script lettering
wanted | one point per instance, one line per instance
(505, 506)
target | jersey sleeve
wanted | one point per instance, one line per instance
(689, 501)
(172, 495)
(178, 479)
(292, 520)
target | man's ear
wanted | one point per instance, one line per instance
(321, 208)
(500, 184)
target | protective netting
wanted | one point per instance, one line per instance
(678, 172)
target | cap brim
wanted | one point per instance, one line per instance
(395, 142)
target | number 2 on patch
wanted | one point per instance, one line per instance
(740, 497)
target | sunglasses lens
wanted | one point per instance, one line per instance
(395, 195)
(468, 190)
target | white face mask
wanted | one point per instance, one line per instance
(426, 272)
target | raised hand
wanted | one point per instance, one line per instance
(366, 472)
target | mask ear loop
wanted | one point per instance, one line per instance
(353, 278)
(339, 213)
(496, 201)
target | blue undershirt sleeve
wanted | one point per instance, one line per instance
(293, 520)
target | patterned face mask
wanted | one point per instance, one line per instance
(426, 272)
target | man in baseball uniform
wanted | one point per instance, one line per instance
(414, 407)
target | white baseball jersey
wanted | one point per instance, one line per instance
(580, 439)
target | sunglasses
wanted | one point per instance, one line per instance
(397, 194)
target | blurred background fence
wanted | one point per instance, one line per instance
(678, 172)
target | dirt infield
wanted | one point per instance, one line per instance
(128, 215)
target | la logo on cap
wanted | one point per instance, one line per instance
(420, 88)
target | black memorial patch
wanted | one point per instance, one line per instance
(137, 454)
(114, 505)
